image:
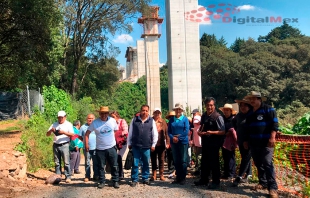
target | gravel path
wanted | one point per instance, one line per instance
(79, 188)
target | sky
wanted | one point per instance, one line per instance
(230, 19)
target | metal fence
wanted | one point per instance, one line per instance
(20, 105)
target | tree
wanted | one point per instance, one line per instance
(237, 45)
(25, 39)
(164, 89)
(87, 22)
(283, 32)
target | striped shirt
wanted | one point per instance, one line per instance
(260, 124)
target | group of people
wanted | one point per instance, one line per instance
(253, 129)
(150, 138)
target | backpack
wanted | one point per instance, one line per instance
(129, 160)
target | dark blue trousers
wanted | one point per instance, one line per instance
(262, 157)
(180, 155)
(246, 165)
(111, 156)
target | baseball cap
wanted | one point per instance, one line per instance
(195, 111)
(61, 113)
(157, 109)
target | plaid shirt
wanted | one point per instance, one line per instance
(122, 125)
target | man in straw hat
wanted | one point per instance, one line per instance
(262, 126)
(212, 131)
(142, 139)
(239, 125)
(104, 127)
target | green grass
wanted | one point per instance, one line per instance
(19, 125)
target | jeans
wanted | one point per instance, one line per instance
(91, 155)
(109, 155)
(262, 157)
(180, 157)
(75, 158)
(62, 151)
(246, 165)
(142, 154)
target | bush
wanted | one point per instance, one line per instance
(37, 146)
(35, 143)
(83, 107)
(56, 100)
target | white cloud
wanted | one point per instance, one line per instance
(123, 38)
(246, 7)
(161, 64)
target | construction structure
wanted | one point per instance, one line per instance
(183, 55)
(150, 22)
(131, 64)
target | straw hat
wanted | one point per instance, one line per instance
(103, 109)
(178, 106)
(256, 94)
(170, 114)
(228, 106)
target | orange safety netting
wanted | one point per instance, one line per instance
(292, 163)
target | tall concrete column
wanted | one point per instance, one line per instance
(183, 55)
(141, 58)
(151, 34)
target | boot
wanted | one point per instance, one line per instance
(153, 178)
(161, 174)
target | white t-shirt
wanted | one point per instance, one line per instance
(104, 130)
(196, 137)
(67, 127)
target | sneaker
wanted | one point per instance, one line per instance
(200, 183)
(101, 185)
(77, 172)
(236, 182)
(86, 179)
(214, 186)
(116, 185)
(273, 193)
(133, 184)
(68, 180)
(147, 182)
(259, 187)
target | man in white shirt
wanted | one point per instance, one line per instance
(104, 127)
(142, 138)
(62, 130)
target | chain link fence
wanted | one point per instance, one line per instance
(20, 105)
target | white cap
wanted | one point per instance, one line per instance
(157, 109)
(61, 113)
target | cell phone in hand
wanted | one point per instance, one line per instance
(57, 133)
